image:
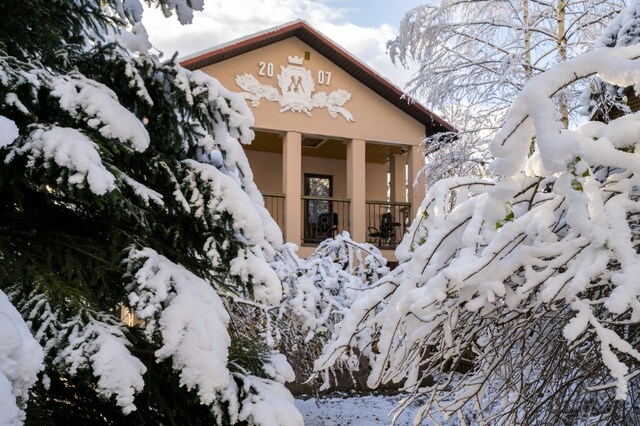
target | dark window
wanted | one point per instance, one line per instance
(318, 214)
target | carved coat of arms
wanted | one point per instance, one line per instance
(296, 91)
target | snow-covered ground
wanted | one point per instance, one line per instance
(353, 410)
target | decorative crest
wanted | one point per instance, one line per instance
(296, 91)
(296, 60)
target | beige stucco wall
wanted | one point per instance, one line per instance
(267, 173)
(267, 170)
(376, 182)
(326, 166)
(376, 119)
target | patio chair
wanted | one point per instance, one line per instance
(387, 232)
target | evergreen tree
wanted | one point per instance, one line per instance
(123, 183)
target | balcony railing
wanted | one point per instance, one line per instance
(324, 218)
(387, 222)
(275, 206)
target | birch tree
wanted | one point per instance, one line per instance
(475, 56)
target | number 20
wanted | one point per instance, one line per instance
(265, 69)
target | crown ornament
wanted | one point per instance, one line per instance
(295, 60)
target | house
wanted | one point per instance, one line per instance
(337, 146)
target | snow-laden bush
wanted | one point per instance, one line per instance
(318, 291)
(124, 182)
(531, 276)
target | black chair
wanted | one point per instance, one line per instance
(327, 225)
(387, 232)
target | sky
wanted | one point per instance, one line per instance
(362, 27)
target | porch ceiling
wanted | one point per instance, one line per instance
(324, 148)
(378, 153)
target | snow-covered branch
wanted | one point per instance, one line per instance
(516, 301)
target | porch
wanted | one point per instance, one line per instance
(316, 187)
(326, 217)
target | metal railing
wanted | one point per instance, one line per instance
(324, 217)
(387, 222)
(275, 206)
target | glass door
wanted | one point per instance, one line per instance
(319, 222)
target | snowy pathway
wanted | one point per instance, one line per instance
(361, 410)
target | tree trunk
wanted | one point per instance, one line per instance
(562, 56)
(527, 40)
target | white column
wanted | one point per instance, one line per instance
(415, 160)
(292, 186)
(356, 188)
(398, 178)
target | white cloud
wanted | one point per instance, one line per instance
(369, 45)
(226, 20)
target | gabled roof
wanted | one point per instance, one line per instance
(331, 51)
